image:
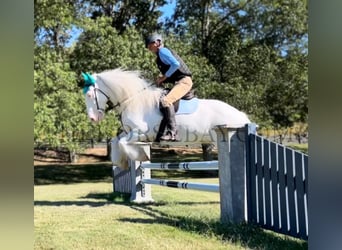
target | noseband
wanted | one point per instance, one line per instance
(109, 102)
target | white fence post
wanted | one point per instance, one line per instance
(140, 193)
(122, 180)
(232, 172)
(129, 181)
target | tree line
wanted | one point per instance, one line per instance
(250, 54)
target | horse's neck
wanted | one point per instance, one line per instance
(106, 88)
(143, 112)
(143, 101)
(116, 97)
(133, 98)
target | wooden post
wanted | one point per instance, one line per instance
(232, 172)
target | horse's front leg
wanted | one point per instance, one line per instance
(132, 150)
(118, 157)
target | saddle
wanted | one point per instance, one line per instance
(182, 102)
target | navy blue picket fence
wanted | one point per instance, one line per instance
(277, 186)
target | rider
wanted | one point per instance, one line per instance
(175, 71)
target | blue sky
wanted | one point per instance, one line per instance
(167, 11)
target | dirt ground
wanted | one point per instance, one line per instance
(90, 155)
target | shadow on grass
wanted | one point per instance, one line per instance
(103, 199)
(71, 203)
(248, 235)
(67, 174)
(124, 198)
(110, 198)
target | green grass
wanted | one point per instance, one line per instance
(84, 213)
(304, 148)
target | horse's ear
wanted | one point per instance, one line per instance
(89, 79)
(84, 76)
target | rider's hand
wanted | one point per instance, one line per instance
(160, 80)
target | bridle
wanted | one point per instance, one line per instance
(90, 82)
(109, 102)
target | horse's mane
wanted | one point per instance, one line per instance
(132, 91)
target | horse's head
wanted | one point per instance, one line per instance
(95, 98)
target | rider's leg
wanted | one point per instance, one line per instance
(162, 126)
(169, 116)
(181, 87)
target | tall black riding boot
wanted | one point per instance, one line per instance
(169, 116)
(161, 129)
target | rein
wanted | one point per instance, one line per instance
(129, 98)
(119, 103)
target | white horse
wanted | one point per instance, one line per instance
(137, 102)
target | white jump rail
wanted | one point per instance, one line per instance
(183, 185)
(200, 165)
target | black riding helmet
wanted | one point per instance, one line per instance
(152, 38)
